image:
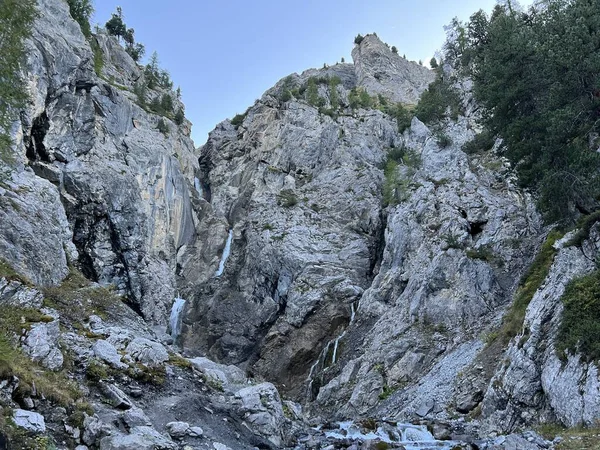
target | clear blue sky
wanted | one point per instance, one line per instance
(225, 54)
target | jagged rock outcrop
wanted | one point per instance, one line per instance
(381, 71)
(301, 192)
(453, 247)
(104, 186)
(533, 384)
(295, 269)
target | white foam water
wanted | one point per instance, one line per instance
(225, 255)
(411, 437)
(175, 319)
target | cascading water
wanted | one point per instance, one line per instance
(225, 255)
(198, 186)
(411, 437)
(323, 355)
(175, 320)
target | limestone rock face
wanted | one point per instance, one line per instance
(94, 176)
(380, 71)
(447, 272)
(534, 384)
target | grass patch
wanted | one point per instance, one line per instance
(387, 392)
(287, 198)
(33, 379)
(8, 272)
(530, 283)
(483, 253)
(98, 57)
(579, 330)
(573, 438)
(179, 361)
(76, 299)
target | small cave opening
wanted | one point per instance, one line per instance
(476, 228)
(36, 150)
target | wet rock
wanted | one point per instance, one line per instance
(29, 420)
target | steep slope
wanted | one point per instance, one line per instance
(301, 188)
(104, 177)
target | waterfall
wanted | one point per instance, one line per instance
(225, 255)
(411, 437)
(321, 362)
(175, 319)
(198, 186)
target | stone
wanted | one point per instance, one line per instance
(92, 430)
(178, 430)
(147, 352)
(425, 409)
(139, 438)
(263, 411)
(29, 420)
(15, 293)
(219, 446)
(105, 351)
(41, 344)
(135, 417)
(115, 396)
(195, 431)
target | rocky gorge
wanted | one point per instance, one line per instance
(316, 275)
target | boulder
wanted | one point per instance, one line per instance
(147, 352)
(29, 420)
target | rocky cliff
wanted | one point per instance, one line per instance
(361, 265)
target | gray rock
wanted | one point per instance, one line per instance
(195, 431)
(115, 396)
(29, 420)
(105, 351)
(219, 446)
(147, 352)
(263, 411)
(139, 438)
(425, 408)
(380, 71)
(41, 344)
(228, 376)
(14, 293)
(178, 430)
(135, 417)
(92, 430)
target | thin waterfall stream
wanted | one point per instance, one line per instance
(175, 319)
(225, 255)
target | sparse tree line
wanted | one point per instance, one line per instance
(155, 78)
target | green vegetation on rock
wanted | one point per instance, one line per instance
(580, 325)
(16, 19)
(512, 323)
